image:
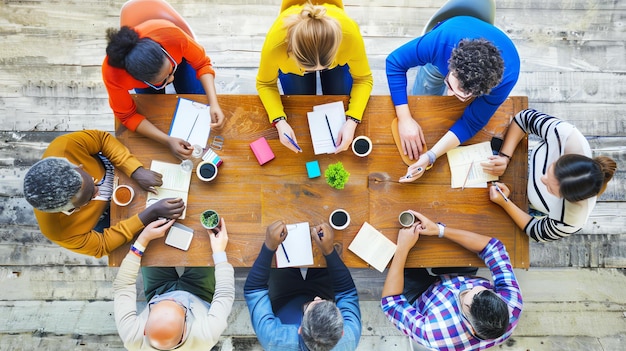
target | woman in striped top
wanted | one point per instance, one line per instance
(564, 181)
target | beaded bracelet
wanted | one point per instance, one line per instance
(354, 120)
(136, 251)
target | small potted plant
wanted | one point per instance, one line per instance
(336, 175)
(209, 219)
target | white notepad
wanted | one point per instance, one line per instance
(191, 122)
(179, 236)
(175, 183)
(373, 247)
(321, 129)
(464, 162)
(297, 245)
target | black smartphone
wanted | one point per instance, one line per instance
(496, 144)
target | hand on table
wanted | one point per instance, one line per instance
(179, 147)
(275, 234)
(323, 236)
(496, 165)
(218, 237)
(154, 230)
(424, 225)
(147, 179)
(217, 117)
(284, 128)
(346, 135)
(415, 170)
(165, 208)
(407, 237)
(412, 137)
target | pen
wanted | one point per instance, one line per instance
(285, 252)
(410, 175)
(500, 191)
(193, 125)
(467, 176)
(331, 131)
(320, 234)
(293, 142)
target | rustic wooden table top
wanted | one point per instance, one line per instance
(250, 197)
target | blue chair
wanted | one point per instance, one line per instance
(482, 9)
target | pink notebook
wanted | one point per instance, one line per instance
(262, 150)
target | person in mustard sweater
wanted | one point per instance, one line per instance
(306, 40)
(71, 188)
(148, 57)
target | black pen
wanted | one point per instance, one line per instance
(331, 131)
(320, 234)
(193, 125)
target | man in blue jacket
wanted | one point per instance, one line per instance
(462, 57)
(290, 312)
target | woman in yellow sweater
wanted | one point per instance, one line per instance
(306, 39)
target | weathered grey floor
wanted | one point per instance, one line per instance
(573, 66)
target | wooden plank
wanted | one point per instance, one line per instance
(581, 250)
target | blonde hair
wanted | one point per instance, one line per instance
(312, 37)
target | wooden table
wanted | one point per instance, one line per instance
(250, 197)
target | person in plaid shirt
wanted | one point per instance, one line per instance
(452, 311)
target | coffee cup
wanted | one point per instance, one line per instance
(206, 171)
(362, 146)
(209, 219)
(406, 219)
(339, 219)
(123, 195)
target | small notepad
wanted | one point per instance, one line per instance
(191, 122)
(465, 168)
(262, 150)
(179, 236)
(325, 122)
(373, 247)
(297, 245)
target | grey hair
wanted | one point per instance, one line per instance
(50, 184)
(322, 326)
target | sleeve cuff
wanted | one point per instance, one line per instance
(219, 257)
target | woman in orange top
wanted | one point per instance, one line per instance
(148, 57)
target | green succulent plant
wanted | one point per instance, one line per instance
(336, 175)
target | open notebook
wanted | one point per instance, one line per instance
(373, 247)
(175, 183)
(325, 122)
(296, 250)
(191, 122)
(465, 167)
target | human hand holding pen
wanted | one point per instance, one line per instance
(179, 147)
(323, 236)
(415, 170)
(345, 137)
(287, 136)
(275, 234)
(499, 193)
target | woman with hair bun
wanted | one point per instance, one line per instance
(563, 183)
(148, 57)
(307, 39)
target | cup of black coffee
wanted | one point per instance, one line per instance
(206, 171)
(362, 146)
(339, 219)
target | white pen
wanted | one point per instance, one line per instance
(500, 191)
(410, 175)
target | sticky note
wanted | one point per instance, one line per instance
(313, 169)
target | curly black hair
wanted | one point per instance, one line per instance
(478, 65)
(142, 58)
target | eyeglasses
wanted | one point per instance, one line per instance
(163, 83)
(76, 209)
(461, 96)
(182, 336)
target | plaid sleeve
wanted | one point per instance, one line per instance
(404, 316)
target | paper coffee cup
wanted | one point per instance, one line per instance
(123, 195)
(406, 219)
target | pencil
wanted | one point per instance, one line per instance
(285, 252)
(193, 125)
(467, 176)
(331, 131)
